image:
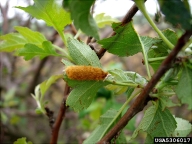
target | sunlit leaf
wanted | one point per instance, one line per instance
(22, 141)
(46, 84)
(50, 11)
(103, 20)
(183, 128)
(66, 63)
(14, 41)
(31, 36)
(30, 50)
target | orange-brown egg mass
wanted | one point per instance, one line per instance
(85, 73)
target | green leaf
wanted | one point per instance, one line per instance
(83, 93)
(39, 95)
(166, 102)
(116, 89)
(31, 50)
(103, 20)
(83, 20)
(46, 84)
(49, 11)
(121, 80)
(11, 42)
(157, 123)
(104, 93)
(129, 91)
(14, 41)
(65, 4)
(183, 128)
(119, 76)
(82, 54)
(176, 13)
(171, 36)
(149, 140)
(70, 82)
(171, 74)
(184, 87)
(31, 36)
(22, 141)
(161, 49)
(97, 134)
(137, 78)
(148, 42)
(66, 63)
(154, 53)
(126, 42)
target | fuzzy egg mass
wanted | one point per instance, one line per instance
(85, 73)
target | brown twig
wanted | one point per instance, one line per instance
(59, 119)
(143, 98)
(4, 11)
(50, 114)
(74, 31)
(128, 17)
(89, 39)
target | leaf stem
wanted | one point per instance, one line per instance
(163, 93)
(156, 59)
(63, 51)
(145, 59)
(77, 34)
(162, 84)
(119, 112)
(123, 84)
(63, 37)
(141, 6)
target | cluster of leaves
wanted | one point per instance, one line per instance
(158, 120)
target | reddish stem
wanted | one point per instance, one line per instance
(59, 119)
